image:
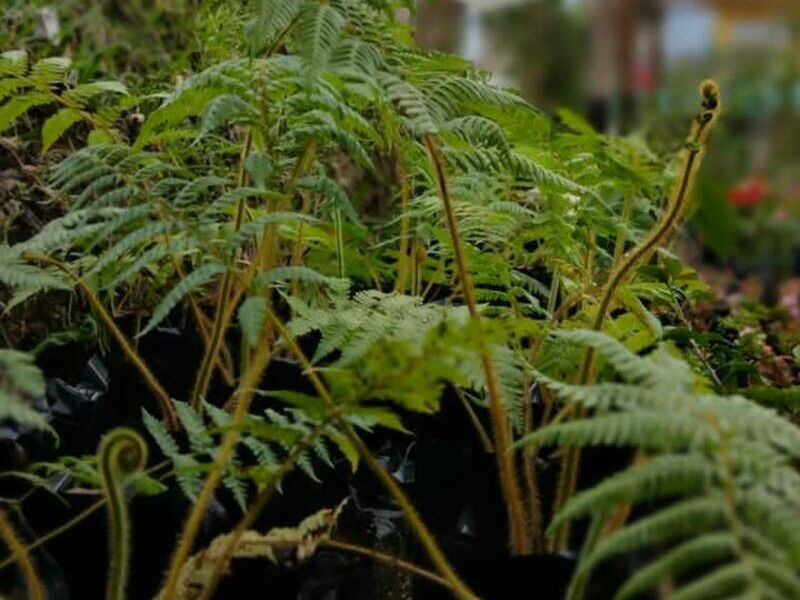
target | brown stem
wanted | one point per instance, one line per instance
(388, 559)
(486, 441)
(435, 554)
(224, 362)
(529, 473)
(519, 540)
(168, 412)
(32, 581)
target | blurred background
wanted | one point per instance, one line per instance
(628, 67)
(632, 67)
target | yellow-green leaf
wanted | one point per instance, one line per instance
(56, 126)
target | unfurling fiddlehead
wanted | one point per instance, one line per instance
(122, 453)
(670, 219)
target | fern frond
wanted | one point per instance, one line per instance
(721, 468)
(252, 315)
(689, 556)
(17, 274)
(20, 381)
(659, 477)
(195, 279)
(57, 125)
(317, 33)
(686, 517)
(272, 19)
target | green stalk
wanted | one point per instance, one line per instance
(206, 370)
(405, 226)
(337, 220)
(244, 396)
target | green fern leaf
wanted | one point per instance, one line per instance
(658, 477)
(20, 380)
(252, 314)
(273, 18)
(689, 556)
(191, 282)
(57, 125)
(721, 583)
(199, 438)
(18, 106)
(317, 33)
(687, 517)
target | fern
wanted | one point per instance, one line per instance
(272, 19)
(317, 33)
(295, 166)
(25, 87)
(20, 381)
(711, 463)
(265, 437)
(195, 279)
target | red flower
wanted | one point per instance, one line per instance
(750, 192)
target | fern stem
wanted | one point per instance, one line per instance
(299, 244)
(658, 236)
(122, 452)
(206, 370)
(435, 554)
(486, 441)
(577, 586)
(133, 357)
(257, 506)
(405, 226)
(519, 540)
(56, 532)
(671, 218)
(69, 524)
(244, 394)
(729, 489)
(337, 220)
(530, 478)
(202, 327)
(20, 554)
(619, 243)
(388, 559)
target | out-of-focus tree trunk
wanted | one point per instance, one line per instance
(440, 25)
(624, 59)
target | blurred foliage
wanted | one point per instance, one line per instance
(544, 41)
(136, 40)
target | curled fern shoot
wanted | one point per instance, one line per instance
(122, 453)
(668, 222)
(670, 219)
